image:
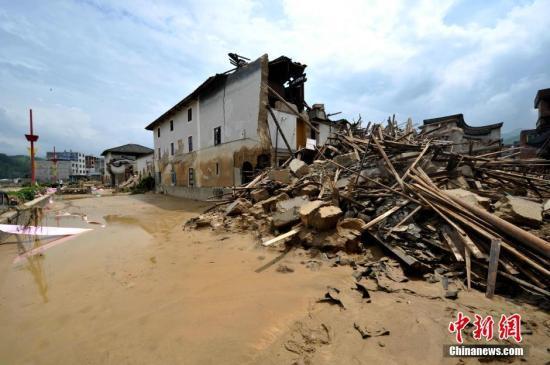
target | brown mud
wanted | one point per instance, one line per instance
(138, 289)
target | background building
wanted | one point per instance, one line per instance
(47, 172)
(465, 138)
(122, 162)
(77, 162)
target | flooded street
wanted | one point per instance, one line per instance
(138, 289)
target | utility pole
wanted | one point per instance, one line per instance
(54, 161)
(32, 138)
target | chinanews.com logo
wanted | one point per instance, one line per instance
(508, 329)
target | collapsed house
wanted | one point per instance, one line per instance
(233, 125)
(465, 138)
(125, 162)
(536, 142)
(475, 221)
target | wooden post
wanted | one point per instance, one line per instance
(493, 267)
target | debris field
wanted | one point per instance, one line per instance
(480, 221)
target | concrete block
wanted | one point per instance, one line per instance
(280, 175)
(520, 211)
(298, 167)
(259, 195)
(239, 206)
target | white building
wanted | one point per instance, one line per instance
(77, 162)
(122, 162)
(223, 131)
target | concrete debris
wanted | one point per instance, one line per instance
(520, 211)
(411, 196)
(280, 175)
(325, 218)
(298, 167)
(239, 206)
(269, 204)
(471, 198)
(258, 195)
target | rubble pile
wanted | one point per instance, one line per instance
(435, 210)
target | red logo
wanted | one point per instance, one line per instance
(508, 326)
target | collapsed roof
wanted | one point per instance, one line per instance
(129, 149)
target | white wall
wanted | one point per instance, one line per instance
(182, 130)
(324, 133)
(233, 106)
(287, 122)
(142, 162)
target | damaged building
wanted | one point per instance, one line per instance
(123, 162)
(234, 124)
(465, 138)
(536, 142)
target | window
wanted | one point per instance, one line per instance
(217, 169)
(312, 133)
(158, 153)
(172, 148)
(189, 114)
(173, 178)
(190, 143)
(217, 136)
(158, 132)
(191, 177)
(171, 125)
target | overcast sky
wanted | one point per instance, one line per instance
(97, 72)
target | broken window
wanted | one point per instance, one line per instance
(312, 133)
(217, 136)
(171, 125)
(189, 114)
(172, 148)
(190, 143)
(191, 182)
(158, 132)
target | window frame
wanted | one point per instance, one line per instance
(172, 149)
(189, 114)
(217, 136)
(190, 143)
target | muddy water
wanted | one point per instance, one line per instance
(138, 289)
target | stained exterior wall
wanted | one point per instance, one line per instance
(144, 165)
(235, 106)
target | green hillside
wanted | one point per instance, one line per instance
(14, 166)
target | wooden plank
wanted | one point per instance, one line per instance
(276, 94)
(468, 267)
(388, 163)
(493, 268)
(281, 237)
(385, 214)
(453, 247)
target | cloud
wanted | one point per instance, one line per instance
(96, 72)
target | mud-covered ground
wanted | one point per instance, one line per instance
(138, 289)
